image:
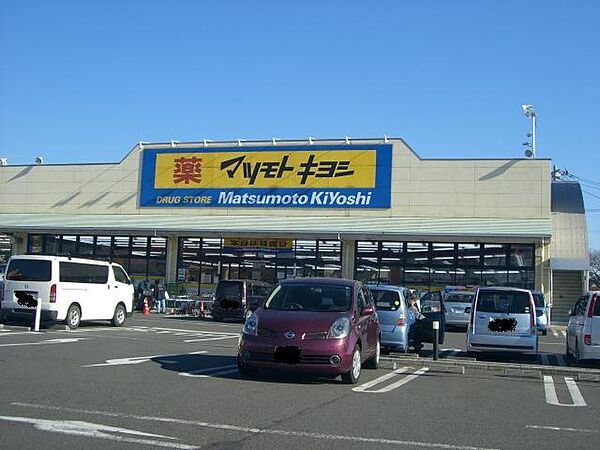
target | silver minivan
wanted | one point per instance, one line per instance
(583, 331)
(502, 319)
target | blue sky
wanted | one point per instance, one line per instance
(83, 81)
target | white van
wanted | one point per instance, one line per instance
(71, 289)
(583, 330)
(502, 319)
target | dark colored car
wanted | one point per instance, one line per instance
(322, 325)
(237, 299)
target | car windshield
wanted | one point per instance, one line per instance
(460, 297)
(538, 299)
(386, 300)
(310, 297)
(229, 289)
(503, 302)
(29, 270)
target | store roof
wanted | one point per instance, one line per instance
(419, 228)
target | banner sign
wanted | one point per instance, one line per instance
(308, 176)
(240, 245)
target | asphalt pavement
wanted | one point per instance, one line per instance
(171, 382)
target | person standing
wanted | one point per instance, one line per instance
(158, 293)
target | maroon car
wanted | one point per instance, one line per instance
(323, 325)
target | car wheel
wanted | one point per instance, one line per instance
(352, 376)
(119, 316)
(568, 354)
(544, 332)
(373, 362)
(245, 371)
(73, 317)
(577, 353)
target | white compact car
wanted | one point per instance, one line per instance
(70, 289)
(458, 307)
(502, 319)
(583, 330)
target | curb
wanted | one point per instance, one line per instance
(503, 369)
(15, 328)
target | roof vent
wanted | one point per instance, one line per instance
(39, 160)
(3, 162)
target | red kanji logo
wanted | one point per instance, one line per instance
(187, 170)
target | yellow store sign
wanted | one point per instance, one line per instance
(266, 169)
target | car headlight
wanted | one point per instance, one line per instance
(339, 329)
(251, 325)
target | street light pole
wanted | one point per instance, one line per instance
(530, 114)
(533, 117)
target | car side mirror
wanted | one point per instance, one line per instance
(368, 310)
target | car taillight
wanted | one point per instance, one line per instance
(592, 306)
(587, 339)
(53, 293)
(532, 314)
(401, 321)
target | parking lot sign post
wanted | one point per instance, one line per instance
(38, 314)
(436, 339)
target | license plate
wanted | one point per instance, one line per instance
(26, 298)
(287, 355)
(502, 325)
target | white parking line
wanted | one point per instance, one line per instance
(47, 341)
(193, 331)
(140, 359)
(407, 379)
(379, 380)
(552, 398)
(575, 430)
(259, 431)
(97, 431)
(211, 371)
(202, 339)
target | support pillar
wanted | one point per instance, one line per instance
(348, 258)
(172, 249)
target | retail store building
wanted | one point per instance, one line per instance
(372, 209)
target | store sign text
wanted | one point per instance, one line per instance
(324, 177)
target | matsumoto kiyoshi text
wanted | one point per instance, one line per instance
(226, 198)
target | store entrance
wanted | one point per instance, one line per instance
(202, 262)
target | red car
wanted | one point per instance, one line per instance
(323, 325)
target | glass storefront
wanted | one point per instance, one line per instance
(202, 262)
(434, 265)
(5, 250)
(143, 257)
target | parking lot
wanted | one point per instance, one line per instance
(172, 382)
